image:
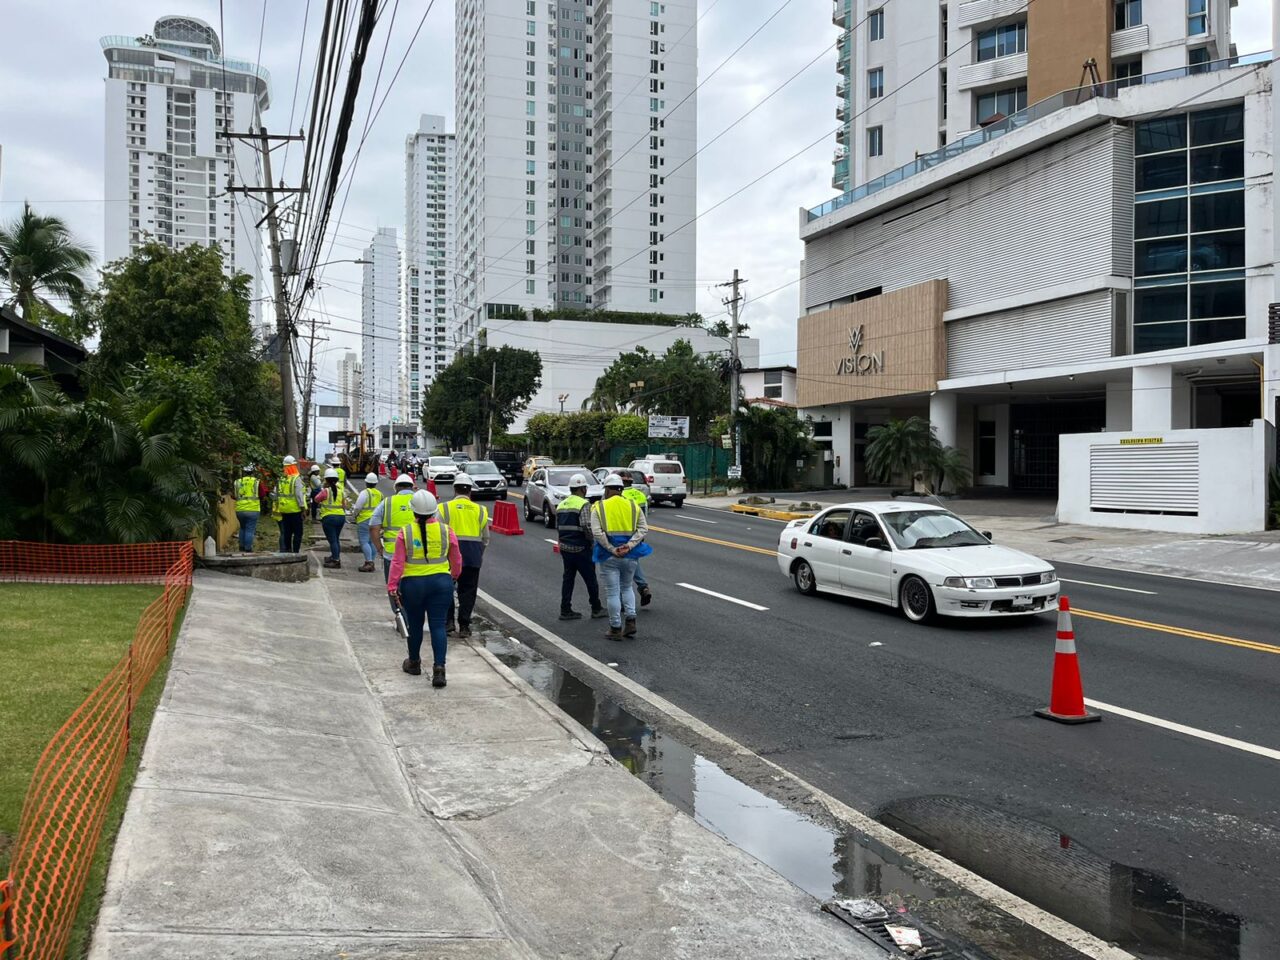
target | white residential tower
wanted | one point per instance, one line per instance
(349, 386)
(380, 329)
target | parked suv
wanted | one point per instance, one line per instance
(665, 479)
(548, 486)
(637, 477)
(508, 464)
(441, 469)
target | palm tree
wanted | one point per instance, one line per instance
(39, 255)
(899, 447)
(950, 468)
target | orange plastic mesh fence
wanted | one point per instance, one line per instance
(76, 776)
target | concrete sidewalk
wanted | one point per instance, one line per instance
(300, 796)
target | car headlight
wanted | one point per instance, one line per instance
(1050, 577)
(973, 583)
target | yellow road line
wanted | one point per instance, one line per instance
(1176, 631)
(719, 543)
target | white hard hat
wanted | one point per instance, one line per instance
(577, 480)
(371, 479)
(315, 468)
(462, 480)
(404, 480)
(423, 504)
(289, 461)
(248, 468)
(613, 480)
(333, 460)
(331, 474)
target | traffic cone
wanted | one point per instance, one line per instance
(1066, 702)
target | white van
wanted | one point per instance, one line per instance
(665, 478)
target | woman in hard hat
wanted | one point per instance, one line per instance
(333, 515)
(290, 502)
(361, 512)
(426, 563)
(248, 507)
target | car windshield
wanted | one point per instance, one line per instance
(480, 466)
(924, 529)
(560, 478)
(442, 461)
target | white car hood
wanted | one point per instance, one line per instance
(594, 491)
(979, 561)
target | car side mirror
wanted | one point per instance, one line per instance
(876, 543)
(987, 534)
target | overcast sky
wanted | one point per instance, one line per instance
(51, 127)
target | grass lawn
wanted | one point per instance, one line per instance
(57, 643)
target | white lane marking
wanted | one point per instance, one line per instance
(685, 516)
(712, 593)
(1108, 586)
(549, 540)
(1172, 576)
(1189, 731)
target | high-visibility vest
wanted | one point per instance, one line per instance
(370, 504)
(637, 497)
(569, 523)
(287, 496)
(247, 495)
(617, 516)
(423, 560)
(333, 506)
(465, 518)
(396, 514)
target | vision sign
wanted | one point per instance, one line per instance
(857, 363)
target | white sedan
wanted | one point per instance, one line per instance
(921, 558)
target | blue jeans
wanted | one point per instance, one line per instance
(641, 582)
(618, 574)
(427, 598)
(248, 527)
(332, 530)
(366, 544)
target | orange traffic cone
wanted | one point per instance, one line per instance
(1066, 702)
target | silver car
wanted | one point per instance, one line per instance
(488, 479)
(548, 486)
(637, 477)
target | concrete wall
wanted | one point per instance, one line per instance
(1230, 460)
(1064, 36)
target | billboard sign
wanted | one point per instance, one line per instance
(662, 427)
(338, 412)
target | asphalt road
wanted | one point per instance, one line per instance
(1166, 842)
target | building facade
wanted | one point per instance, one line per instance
(430, 244)
(171, 95)
(577, 129)
(912, 81)
(772, 386)
(1099, 333)
(350, 385)
(380, 334)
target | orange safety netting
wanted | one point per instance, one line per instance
(76, 776)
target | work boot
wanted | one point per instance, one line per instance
(646, 595)
(464, 631)
(615, 633)
(570, 615)
(367, 567)
(328, 561)
(412, 666)
(599, 613)
(630, 629)
(450, 628)
(437, 676)
(335, 564)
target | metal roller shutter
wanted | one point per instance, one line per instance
(1155, 478)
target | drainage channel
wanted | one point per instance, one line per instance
(859, 880)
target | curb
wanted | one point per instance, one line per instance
(768, 514)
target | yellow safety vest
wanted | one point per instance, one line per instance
(396, 514)
(466, 518)
(637, 497)
(286, 496)
(370, 504)
(247, 495)
(425, 560)
(333, 506)
(617, 515)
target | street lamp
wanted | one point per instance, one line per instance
(635, 385)
(562, 398)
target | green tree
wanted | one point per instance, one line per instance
(626, 430)
(40, 257)
(898, 448)
(949, 468)
(459, 402)
(772, 441)
(613, 391)
(680, 382)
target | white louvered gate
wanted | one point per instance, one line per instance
(1145, 478)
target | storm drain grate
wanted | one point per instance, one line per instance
(872, 920)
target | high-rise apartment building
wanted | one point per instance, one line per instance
(430, 254)
(349, 387)
(170, 97)
(914, 80)
(577, 128)
(380, 329)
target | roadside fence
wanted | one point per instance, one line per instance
(76, 776)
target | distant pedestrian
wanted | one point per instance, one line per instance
(425, 564)
(641, 500)
(573, 526)
(469, 522)
(333, 515)
(362, 512)
(290, 502)
(620, 529)
(315, 482)
(248, 507)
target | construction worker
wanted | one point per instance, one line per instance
(619, 528)
(389, 517)
(333, 515)
(337, 465)
(470, 523)
(248, 507)
(290, 502)
(425, 563)
(641, 500)
(573, 525)
(362, 512)
(316, 481)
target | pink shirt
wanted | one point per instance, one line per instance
(397, 561)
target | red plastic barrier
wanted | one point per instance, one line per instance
(506, 520)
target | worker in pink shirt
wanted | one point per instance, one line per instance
(424, 566)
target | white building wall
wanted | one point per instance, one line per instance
(117, 210)
(752, 384)
(380, 329)
(349, 387)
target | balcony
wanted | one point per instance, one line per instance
(842, 137)
(990, 71)
(840, 174)
(842, 89)
(841, 11)
(842, 111)
(842, 59)
(977, 12)
(1134, 40)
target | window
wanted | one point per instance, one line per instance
(875, 25)
(1002, 41)
(773, 384)
(831, 525)
(865, 527)
(1197, 18)
(1198, 60)
(875, 83)
(1000, 103)
(986, 448)
(875, 141)
(1128, 13)
(1126, 72)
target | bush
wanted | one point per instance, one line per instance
(627, 429)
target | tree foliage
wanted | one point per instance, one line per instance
(459, 401)
(772, 441)
(627, 429)
(680, 382)
(904, 448)
(39, 257)
(571, 437)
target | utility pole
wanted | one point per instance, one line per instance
(308, 389)
(734, 367)
(284, 329)
(493, 402)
